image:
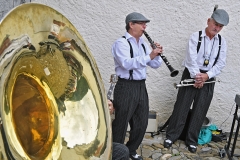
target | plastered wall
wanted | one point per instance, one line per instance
(7, 5)
(101, 22)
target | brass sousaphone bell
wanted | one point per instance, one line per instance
(52, 99)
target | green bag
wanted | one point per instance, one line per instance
(205, 135)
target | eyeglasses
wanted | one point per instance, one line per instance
(141, 23)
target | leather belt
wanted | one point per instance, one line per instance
(122, 79)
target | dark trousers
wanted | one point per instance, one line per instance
(131, 106)
(120, 152)
(200, 100)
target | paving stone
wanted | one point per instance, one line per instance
(146, 152)
(211, 158)
(165, 156)
(155, 147)
(175, 158)
(148, 147)
(206, 155)
(145, 159)
(205, 149)
(175, 152)
(158, 145)
(156, 155)
(157, 151)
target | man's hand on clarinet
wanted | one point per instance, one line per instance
(157, 51)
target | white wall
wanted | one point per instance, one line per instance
(6, 5)
(100, 22)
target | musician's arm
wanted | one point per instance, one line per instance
(221, 62)
(191, 59)
(122, 57)
(156, 60)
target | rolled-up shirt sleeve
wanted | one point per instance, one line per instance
(191, 56)
(121, 53)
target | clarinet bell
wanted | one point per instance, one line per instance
(172, 70)
(174, 73)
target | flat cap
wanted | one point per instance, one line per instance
(220, 16)
(136, 17)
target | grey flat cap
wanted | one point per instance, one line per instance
(220, 16)
(136, 17)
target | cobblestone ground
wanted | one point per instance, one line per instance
(152, 149)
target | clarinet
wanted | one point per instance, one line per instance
(172, 70)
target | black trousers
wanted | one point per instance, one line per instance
(120, 152)
(131, 106)
(200, 100)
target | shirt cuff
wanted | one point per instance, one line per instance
(147, 58)
(210, 74)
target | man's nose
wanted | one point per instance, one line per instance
(218, 28)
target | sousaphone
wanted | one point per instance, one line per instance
(52, 99)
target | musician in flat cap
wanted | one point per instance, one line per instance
(205, 58)
(131, 57)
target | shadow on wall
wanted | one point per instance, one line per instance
(9, 4)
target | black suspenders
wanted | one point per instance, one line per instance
(199, 41)
(131, 53)
(219, 46)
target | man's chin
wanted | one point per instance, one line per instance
(214, 32)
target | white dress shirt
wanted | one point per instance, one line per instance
(139, 62)
(194, 61)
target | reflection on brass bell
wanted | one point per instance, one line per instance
(53, 102)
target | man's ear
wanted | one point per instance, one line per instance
(209, 19)
(131, 24)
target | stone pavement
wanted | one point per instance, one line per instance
(152, 148)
